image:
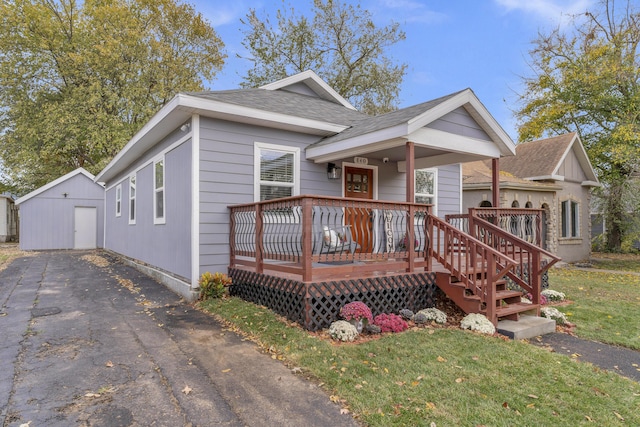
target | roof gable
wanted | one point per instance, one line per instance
(313, 83)
(46, 187)
(543, 159)
(397, 127)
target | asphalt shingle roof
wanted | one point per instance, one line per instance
(370, 124)
(285, 102)
(537, 158)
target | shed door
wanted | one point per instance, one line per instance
(85, 230)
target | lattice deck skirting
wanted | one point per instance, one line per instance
(316, 305)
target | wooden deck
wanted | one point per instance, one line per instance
(298, 257)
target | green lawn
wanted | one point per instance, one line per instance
(444, 376)
(605, 307)
(624, 262)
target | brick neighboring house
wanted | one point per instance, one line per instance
(552, 174)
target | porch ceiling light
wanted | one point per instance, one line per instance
(333, 171)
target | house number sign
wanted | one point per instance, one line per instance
(361, 160)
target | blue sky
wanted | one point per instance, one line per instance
(450, 44)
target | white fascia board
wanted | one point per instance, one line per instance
(314, 81)
(466, 97)
(432, 138)
(545, 177)
(362, 144)
(146, 129)
(79, 171)
(439, 160)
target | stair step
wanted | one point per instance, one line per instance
(507, 293)
(516, 308)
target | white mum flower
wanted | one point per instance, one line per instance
(553, 295)
(343, 331)
(555, 314)
(435, 315)
(478, 322)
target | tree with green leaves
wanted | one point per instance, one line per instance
(340, 43)
(78, 79)
(586, 80)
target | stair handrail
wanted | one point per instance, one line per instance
(530, 256)
(447, 244)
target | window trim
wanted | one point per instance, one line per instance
(434, 209)
(132, 199)
(258, 147)
(119, 200)
(156, 190)
(569, 219)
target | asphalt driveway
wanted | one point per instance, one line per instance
(84, 342)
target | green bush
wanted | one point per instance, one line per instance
(213, 285)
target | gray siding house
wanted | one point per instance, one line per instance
(65, 214)
(168, 192)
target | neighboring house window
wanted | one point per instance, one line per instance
(485, 204)
(570, 217)
(426, 187)
(158, 192)
(132, 199)
(118, 199)
(277, 169)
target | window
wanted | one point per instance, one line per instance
(158, 192)
(119, 200)
(426, 182)
(132, 199)
(570, 217)
(277, 170)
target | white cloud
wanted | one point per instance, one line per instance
(557, 11)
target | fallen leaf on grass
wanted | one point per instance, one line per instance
(459, 380)
(533, 396)
(588, 418)
(344, 411)
(186, 390)
(620, 417)
(334, 398)
(441, 359)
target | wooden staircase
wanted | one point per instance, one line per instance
(507, 303)
(476, 271)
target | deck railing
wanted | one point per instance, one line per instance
(532, 261)
(526, 223)
(314, 236)
(470, 260)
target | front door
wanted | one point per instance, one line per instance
(85, 229)
(358, 184)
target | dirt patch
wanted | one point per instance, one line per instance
(9, 252)
(96, 260)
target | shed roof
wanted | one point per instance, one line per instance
(37, 191)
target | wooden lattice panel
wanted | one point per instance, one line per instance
(316, 305)
(283, 296)
(385, 294)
